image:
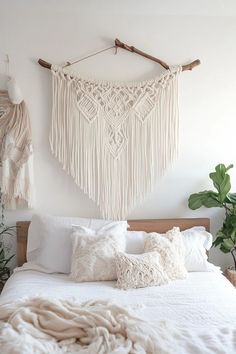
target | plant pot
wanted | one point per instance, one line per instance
(231, 275)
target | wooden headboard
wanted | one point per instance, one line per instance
(155, 225)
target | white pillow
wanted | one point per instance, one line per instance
(113, 228)
(93, 256)
(49, 241)
(135, 242)
(139, 270)
(197, 240)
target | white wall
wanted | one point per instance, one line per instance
(177, 32)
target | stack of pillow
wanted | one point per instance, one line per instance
(98, 250)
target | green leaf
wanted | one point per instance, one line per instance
(228, 244)
(218, 241)
(207, 199)
(9, 230)
(231, 220)
(7, 260)
(231, 198)
(220, 169)
(233, 235)
(229, 167)
(221, 181)
(223, 249)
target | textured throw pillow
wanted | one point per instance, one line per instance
(139, 270)
(171, 249)
(93, 256)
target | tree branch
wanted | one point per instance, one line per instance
(132, 49)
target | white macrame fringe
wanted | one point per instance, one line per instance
(16, 155)
(115, 140)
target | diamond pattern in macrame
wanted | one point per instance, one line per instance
(89, 107)
(144, 107)
(115, 140)
(116, 103)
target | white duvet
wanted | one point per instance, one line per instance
(202, 307)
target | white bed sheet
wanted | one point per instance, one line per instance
(204, 299)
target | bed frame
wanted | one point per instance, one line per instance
(155, 225)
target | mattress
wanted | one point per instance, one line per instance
(204, 299)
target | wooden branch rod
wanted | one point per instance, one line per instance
(122, 45)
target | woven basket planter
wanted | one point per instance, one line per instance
(231, 275)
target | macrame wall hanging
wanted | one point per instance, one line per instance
(16, 153)
(115, 139)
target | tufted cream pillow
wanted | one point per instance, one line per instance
(171, 249)
(139, 270)
(93, 257)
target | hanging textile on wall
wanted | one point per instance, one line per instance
(115, 139)
(16, 153)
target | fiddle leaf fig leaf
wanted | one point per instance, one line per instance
(231, 198)
(7, 260)
(218, 241)
(223, 249)
(233, 235)
(229, 167)
(229, 223)
(227, 244)
(220, 169)
(205, 198)
(221, 181)
(232, 219)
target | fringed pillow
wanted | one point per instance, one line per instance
(170, 247)
(139, 270)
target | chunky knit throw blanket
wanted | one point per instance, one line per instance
(16, 154)
(114, 139)
(46, 326)
(49, 326)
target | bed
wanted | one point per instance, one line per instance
(203, 305)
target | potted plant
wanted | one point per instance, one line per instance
(4, 259)
(221, 198)
(5, 246)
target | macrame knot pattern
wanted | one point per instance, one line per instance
(114, 139)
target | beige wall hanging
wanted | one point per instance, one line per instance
(115, 139)
(16, 152)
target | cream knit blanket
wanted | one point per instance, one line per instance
(45, 326)
(48, 326)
